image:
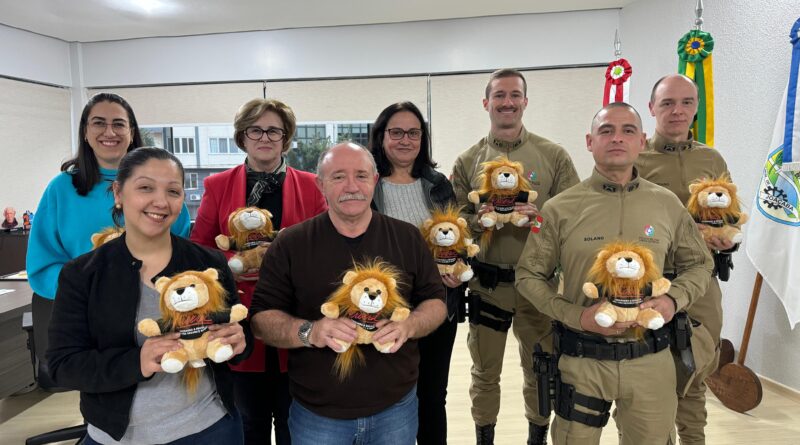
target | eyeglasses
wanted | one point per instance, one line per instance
(119, 128)
(273, 134)
(397, 133)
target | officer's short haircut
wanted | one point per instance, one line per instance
(614, 105)
(506, 72)
(658, 82)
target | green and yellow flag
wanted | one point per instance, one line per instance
(694, 60)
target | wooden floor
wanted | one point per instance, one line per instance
(776, 421)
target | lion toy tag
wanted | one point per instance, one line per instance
(106, 235)
(367, 295)
(502, 186)
(448, 237)
(624, 274)
(190, 302)
(713, 203)
(251, 232)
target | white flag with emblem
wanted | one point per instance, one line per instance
(773, 235)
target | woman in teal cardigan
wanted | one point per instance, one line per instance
(78, 202)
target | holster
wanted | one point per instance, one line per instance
(488, 274)
(681, 348)
(461, 309)
(545, 367)
(500, 319)
(723, 264)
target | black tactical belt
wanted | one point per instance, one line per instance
(506, 275)
(576, 344)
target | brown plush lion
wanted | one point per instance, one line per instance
(190, 302)
(367, 295)
(250, 229)
(713, 203)
(448, 237)
(106, 235)
(502, 185)
(624, 274)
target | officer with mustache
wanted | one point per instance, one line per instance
(494, 302)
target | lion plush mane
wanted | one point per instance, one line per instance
(714, 203)
(625, 287)
(367, 282)
(502, 196)
(446, 226)
(189, 302)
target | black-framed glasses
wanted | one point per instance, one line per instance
(120, 128)
(397, 133)
(273, 134)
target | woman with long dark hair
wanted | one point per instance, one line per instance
(409, 189)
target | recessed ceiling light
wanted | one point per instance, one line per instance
(149, 7)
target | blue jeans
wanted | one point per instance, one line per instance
(396, 425)
(227, 430)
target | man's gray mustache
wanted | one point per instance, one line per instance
(352, 197)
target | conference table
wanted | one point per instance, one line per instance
(16, 371)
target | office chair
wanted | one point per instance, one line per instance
(41, 310)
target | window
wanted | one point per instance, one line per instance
(358, 133)
(190, 183)
(308, 134)
(222, 146)
(183, 145)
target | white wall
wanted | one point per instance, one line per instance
(30, 56)
(751, 64)
(390, 49)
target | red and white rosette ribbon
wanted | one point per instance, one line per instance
(618, 83)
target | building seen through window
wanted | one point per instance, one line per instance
(205, 149)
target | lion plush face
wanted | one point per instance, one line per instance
(189, 291)
(369, 294)
(712, 198)
(446, 228)
(370, 288)
(623, 264)
(502, 175)
(250, 219)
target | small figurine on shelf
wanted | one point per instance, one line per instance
(27, 218)
(10, 218)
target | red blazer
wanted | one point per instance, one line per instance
(225, 192)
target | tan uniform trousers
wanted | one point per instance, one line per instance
(486, 346)
(643, 392)
(691, 418)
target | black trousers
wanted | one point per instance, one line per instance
(435, 351)
(263, 398)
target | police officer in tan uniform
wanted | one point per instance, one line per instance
(673, 160)
(599, 365)
(494, 303)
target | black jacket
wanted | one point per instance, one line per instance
(93, 345)
(439, 193)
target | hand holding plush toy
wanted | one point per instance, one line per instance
(713, 203)
(624, 274)
(251, 232)
(448, 237)
(191, 301)
(502, 185)
(367, 295)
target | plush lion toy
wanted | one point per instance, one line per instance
(502, 185)
(106, 235)
(190, 302)
(624, 274)
(367, 295)
(448, 237)
(251, 232)
(713, 203)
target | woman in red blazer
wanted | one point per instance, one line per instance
(263, 129)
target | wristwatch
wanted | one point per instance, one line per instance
(304, 333)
